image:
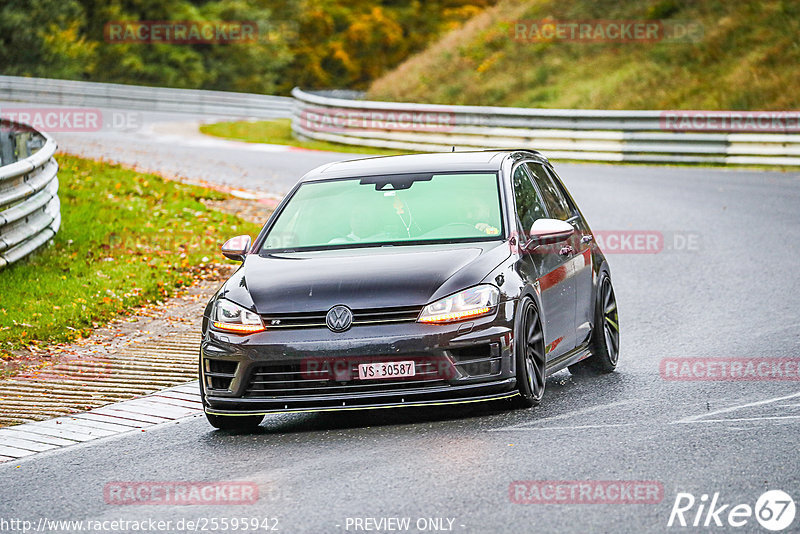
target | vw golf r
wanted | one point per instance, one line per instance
(409, 281)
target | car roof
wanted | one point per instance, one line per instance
(478, 160)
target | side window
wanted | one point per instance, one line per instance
(573, 210)
(553, 198)
(529, 205)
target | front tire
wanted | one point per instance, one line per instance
(228, 422)
(530, 355)
(604, 344)
(235, 422)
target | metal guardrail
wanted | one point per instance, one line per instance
(590, 135)
(134, 97)
(30, 211)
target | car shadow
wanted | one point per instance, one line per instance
(564, 392)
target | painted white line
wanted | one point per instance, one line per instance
(567, 415)
(735, 419)
(576, 427)
(705, 416)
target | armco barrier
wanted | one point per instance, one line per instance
(30, 212)
(595, 135)
(135, 97)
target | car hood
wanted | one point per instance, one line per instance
(361, 278)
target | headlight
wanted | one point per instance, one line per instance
(231, 317)
(468, 304)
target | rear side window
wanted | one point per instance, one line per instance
(529, 205)
(553, 198)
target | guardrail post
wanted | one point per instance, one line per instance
(6, 147)
(21, 144)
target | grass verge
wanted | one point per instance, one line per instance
(126, 239)
(279, 132)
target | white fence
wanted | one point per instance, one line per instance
(593, 135)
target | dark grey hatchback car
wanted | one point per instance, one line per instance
(407, 281)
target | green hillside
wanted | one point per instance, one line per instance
(746, 56)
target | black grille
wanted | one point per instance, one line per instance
(336, 377)
(478, 360)
(219, 373)
(406, 314)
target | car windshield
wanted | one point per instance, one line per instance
(390, 209)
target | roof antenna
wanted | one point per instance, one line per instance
(454, 148)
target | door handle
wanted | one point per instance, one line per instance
(588, 238)
(566, 250)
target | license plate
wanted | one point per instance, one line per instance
(372, 371)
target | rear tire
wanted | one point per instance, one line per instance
(235, 422)
(530, 355)
(604, 344)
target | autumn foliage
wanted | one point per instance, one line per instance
(311, 43)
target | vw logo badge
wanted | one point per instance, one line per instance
(339, 318)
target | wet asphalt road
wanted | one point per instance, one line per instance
(726, 284)
(169, 143)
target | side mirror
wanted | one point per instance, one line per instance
(236, 248)
(550, 231)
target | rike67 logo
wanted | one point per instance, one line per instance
(774, 510)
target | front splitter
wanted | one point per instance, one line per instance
(463, 400)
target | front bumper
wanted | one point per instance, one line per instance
(314, 369)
